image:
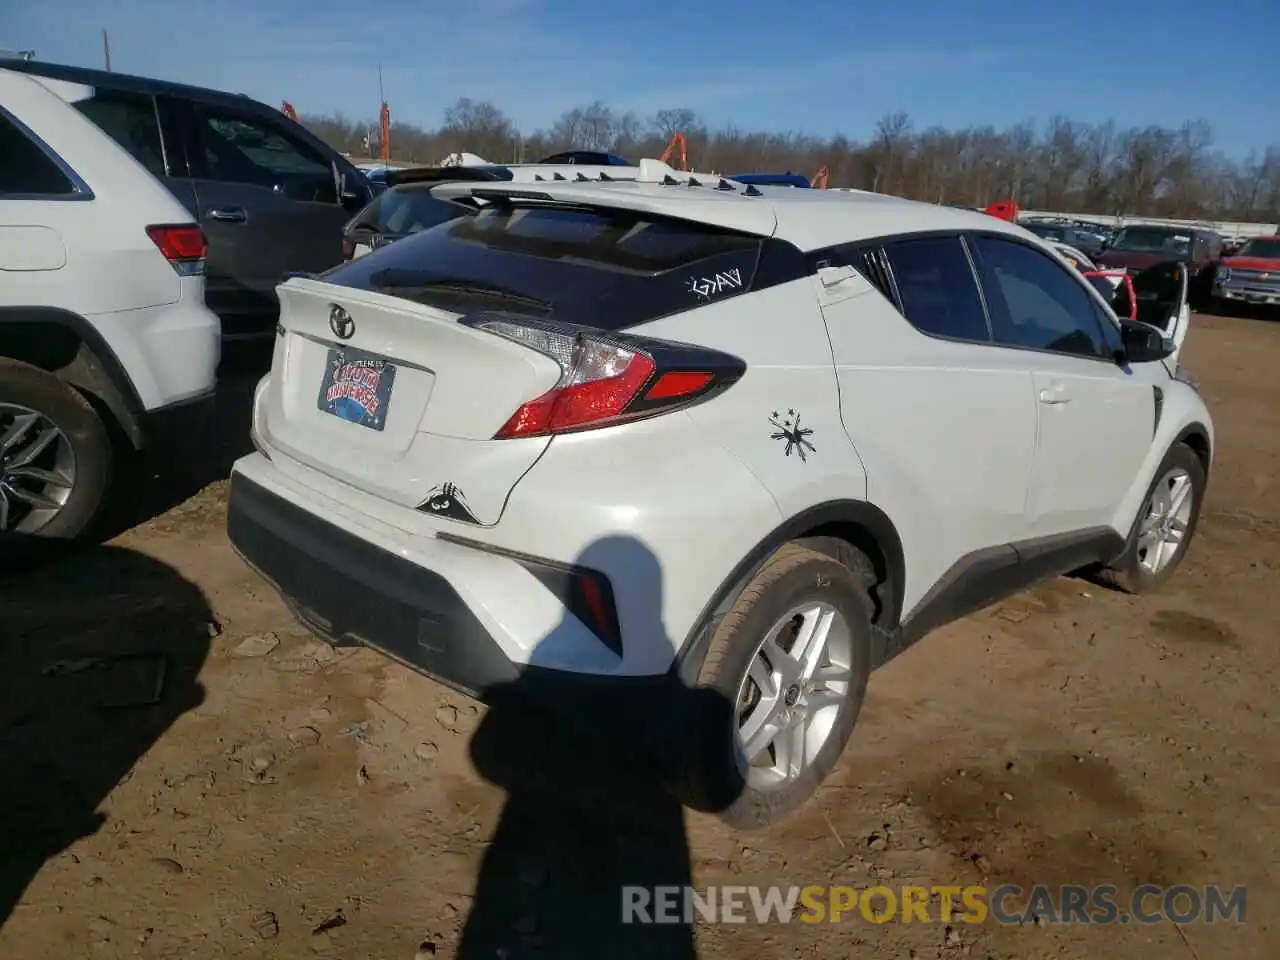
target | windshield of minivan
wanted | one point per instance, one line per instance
(605, 268)
(1152, 240)
(1266, 247)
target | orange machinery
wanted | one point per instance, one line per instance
(678, 139)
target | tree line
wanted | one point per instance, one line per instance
(1061, 164)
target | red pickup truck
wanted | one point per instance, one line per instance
(1250, 278)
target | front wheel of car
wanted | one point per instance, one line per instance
(55, 456)
(1165, 524)
(791, 658)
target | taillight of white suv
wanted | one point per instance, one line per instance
(183, 245)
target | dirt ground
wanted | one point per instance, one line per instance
(287, 800)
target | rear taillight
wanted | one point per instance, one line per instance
(183, 245)
(608, 378)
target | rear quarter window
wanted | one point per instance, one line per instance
(25, 168)
(604, 268)
(937, 288)
(131, 121)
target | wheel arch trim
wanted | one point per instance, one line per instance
(859, 513)
(96, 369)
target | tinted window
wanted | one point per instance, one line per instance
(244, 148)
(1161, 241)
(25, 168)
(130, 120)
(937, 288)
(1266, 247)
(403, 211)
(602, 268)
(1037, 303)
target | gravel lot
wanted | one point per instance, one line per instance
(286, 800)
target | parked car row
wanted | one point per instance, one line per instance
(193, 204)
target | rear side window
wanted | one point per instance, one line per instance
(245, 148)
(25, 168)
(605, 268)
(407, 210)
(130, 120)
(937, 288)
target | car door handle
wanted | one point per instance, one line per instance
(228, 215)
(1054, 395)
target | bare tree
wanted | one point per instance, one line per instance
(478, 127)
(1061, 165)
(667, 123)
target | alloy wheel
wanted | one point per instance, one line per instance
(791, 697)
(37, 469)
(1163, 530)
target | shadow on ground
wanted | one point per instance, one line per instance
(98, 657)
(192, 447)
(585, 815)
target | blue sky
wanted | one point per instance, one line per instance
(822, 66)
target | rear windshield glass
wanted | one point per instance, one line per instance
(603, 268)
(1152, 240)
(405, 210)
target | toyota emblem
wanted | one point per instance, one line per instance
(340, 322)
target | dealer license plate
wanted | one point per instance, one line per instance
(357, 387)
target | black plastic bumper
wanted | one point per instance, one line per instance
(352, 592)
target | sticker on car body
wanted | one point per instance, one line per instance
(704, 288)
(788, 428)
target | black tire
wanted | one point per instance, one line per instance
(1127, 573)
(71, 413)
(795, 574)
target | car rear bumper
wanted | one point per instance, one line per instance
(351, 591)
(170, 352)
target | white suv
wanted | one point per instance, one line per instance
(630, 443)
(102, 315)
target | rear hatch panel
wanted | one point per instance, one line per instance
(405, 406)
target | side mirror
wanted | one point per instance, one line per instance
(1144, 343)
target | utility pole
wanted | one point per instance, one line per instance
(106, 49)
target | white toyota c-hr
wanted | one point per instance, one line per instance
(678, 434)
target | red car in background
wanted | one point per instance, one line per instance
(1250, 278)
(1143, 245)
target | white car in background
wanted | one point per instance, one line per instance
(693, 458)
(103, 324)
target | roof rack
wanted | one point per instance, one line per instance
(650, 172)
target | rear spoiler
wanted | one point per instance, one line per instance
(646, 195)
(396, 178)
